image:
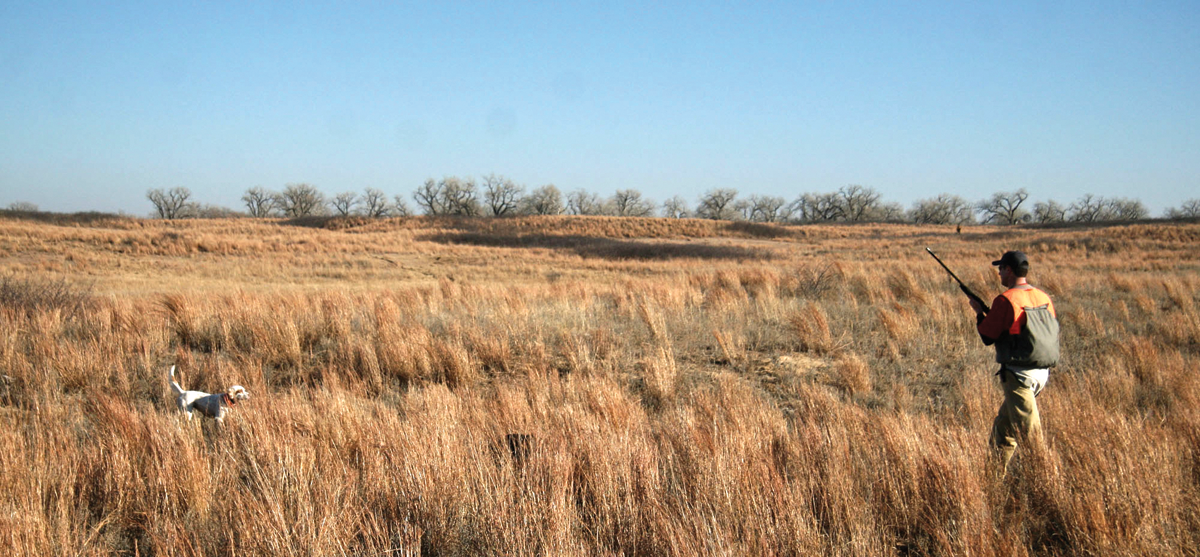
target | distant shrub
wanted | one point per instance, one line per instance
(23, 207)
(86, 218)
(32, 295)
(813, 282)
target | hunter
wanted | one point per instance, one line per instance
(1023, 327)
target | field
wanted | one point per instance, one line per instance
(585, 386)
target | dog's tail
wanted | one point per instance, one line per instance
(174, 386)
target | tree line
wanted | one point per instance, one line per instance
(498, 196)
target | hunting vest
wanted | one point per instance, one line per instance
(1032, 340)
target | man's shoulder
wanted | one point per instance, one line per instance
(1002, 306)
(1027, 295)
(1039, 292)
(1029, 288)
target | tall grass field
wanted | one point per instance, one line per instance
(585, 386)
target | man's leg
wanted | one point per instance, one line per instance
(1017, 419)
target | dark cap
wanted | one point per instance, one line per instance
(1014, 260)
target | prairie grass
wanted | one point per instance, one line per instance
(759, 390)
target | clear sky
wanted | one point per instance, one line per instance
(101, 101)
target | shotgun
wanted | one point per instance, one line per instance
(962, 286)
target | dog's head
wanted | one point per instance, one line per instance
(237, 392)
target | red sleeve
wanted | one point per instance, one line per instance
(999, 320)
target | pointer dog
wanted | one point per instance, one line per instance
(212, 405)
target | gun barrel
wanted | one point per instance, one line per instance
(966, 290)
(952, 275)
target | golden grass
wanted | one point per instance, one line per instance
(677, 387)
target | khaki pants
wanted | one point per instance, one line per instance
(1017, 419)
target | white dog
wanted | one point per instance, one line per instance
(213, 406)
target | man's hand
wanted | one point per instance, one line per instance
(975, 305)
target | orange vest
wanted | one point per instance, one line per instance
(1022, 298)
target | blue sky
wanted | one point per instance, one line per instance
(101, 101)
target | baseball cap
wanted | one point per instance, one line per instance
(1013, 260)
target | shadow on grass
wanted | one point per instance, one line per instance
(326, 222)
(759, 229)
(604, 248)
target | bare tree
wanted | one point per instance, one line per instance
(853, 203)
(501, 195)
(1089, 208)
(190, 210)
(546, 200)
(1093, 208)
(399, 208)
(196, 210)
(344, 203)
(1125, 209)
(717, 204)
(829, 207)
(944, 209)
(890, 212)
(795, 211)
(1049, 212)
(374, 203)
(675, 208)
(300, 200)
(430, 199)
(582, 202)
(787, 212)
(461, 197)
(858, 203)
(766, 208)
(629, 203)
(169, 204)
(818, 207)
(1189, 209)
(259, 201)
(1004, 207)
(742, 209)
(23, 206)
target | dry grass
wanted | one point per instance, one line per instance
(759, 390)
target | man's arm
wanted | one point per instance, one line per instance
(996, 323)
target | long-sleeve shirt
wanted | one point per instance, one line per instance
(997, 322)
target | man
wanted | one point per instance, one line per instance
(1023, 327)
